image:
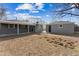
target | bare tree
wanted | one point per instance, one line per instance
(2, 12)
(66, 11)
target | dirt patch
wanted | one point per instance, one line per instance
(62, 42)
(40, 45)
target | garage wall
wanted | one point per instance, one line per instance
(67, 29)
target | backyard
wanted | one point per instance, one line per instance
(39, 45)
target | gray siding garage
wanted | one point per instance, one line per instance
(61, 27)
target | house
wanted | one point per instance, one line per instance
(15, 27)
(60, 27)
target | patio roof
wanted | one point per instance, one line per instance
(16, 22)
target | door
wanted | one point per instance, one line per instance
(49, 28)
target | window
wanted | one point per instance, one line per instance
(22, 26)
(4, 26)
(11, 26)
(60, 26)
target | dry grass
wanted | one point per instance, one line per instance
(40, 45)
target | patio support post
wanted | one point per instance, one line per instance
(28, 28)
(8, 26)
(17, 29)
(14, 26)
(0, 25)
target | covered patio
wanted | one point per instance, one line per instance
(15, 28)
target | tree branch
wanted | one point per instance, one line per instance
(71, 14)
(66, 10)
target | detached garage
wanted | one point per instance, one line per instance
(61, 27)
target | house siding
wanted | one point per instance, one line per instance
(23, 29)
(5, 30)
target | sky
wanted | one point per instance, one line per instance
(43, 11)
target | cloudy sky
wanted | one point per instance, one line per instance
(43, 11)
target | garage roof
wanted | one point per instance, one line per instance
(61, 22)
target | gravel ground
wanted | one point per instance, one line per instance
(39, 45)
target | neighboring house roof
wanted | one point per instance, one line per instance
(16, 22)
(61, 22)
